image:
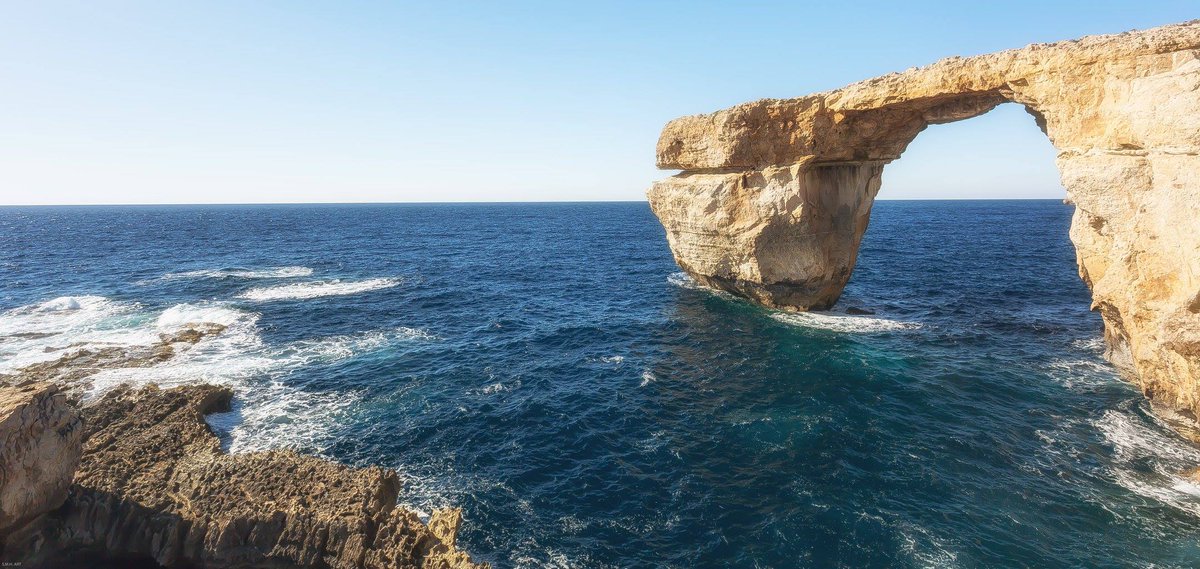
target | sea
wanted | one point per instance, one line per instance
(548, 369)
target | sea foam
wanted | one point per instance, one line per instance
(263, 273)
(45, 331)
(843, 323)
(1149, 461)
(269, 412)
(316, 289)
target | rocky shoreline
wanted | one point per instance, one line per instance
(136, 478)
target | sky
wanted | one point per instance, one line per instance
(263, 102)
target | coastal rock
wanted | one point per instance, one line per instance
(71, 370)
(40, 444)
(775, 195)
(154, 485)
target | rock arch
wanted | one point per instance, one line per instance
(775, 195)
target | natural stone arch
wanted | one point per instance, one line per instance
(775, 195)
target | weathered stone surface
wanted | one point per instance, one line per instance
(775, 195)
(153, 483)
(40, 444)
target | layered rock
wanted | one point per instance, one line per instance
(136, 478)
(40, 444)
(775, 195)
(153, 484)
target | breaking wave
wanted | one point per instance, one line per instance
(843, 323)
(316, 289)
(815, 320)
(45, 331)
(1151, 461)
(264, 273)
(268, 411)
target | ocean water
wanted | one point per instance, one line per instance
(549, 370)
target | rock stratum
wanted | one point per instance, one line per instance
(137, 479)
(775, 195)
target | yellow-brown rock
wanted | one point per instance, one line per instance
(154, 487)
(775, 195)
(40, 443)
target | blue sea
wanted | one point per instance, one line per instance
(547, 368)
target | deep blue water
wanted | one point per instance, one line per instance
(546, 368)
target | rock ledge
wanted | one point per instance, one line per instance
(154, 485)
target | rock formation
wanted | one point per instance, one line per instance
(153, 484)
(136, 478)
(40, 444)
(775, 195)
(71, 370)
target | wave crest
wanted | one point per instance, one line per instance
(844, 323)
(316, 289)
(237, 273)
(1150, 462)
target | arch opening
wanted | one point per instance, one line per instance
(1001, 154)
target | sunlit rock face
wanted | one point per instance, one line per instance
(775, 195)
(40, 443)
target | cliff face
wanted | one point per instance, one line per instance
(154, 485)
(775, 195)
(40, 444)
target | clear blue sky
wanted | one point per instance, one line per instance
(171, 102)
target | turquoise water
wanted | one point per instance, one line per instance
(547, 368)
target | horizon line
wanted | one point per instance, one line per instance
(465, 202)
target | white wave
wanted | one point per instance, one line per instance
(816, 320)
(647, 377)
(1093, 345)
(315, 289)
(264, 273)
(1136, 444)
(45, 331)
(182, 315)
(55, 314)
(280, 416)
(843, 323)
(1081, 373)
(682, 280)
(269, 412)
(63, 303)
(335, 348)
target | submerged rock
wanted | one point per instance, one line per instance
(153, 484)
(70, 370)
(775, 195)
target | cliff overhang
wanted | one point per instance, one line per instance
(775, 195)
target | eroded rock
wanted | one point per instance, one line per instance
(775, 195)
(153, 483)
(40, 445)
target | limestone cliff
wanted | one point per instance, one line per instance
(775, 195)
(153, 484)
(40, 444)
(138, 479)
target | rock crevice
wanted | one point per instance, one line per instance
(775, 195)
